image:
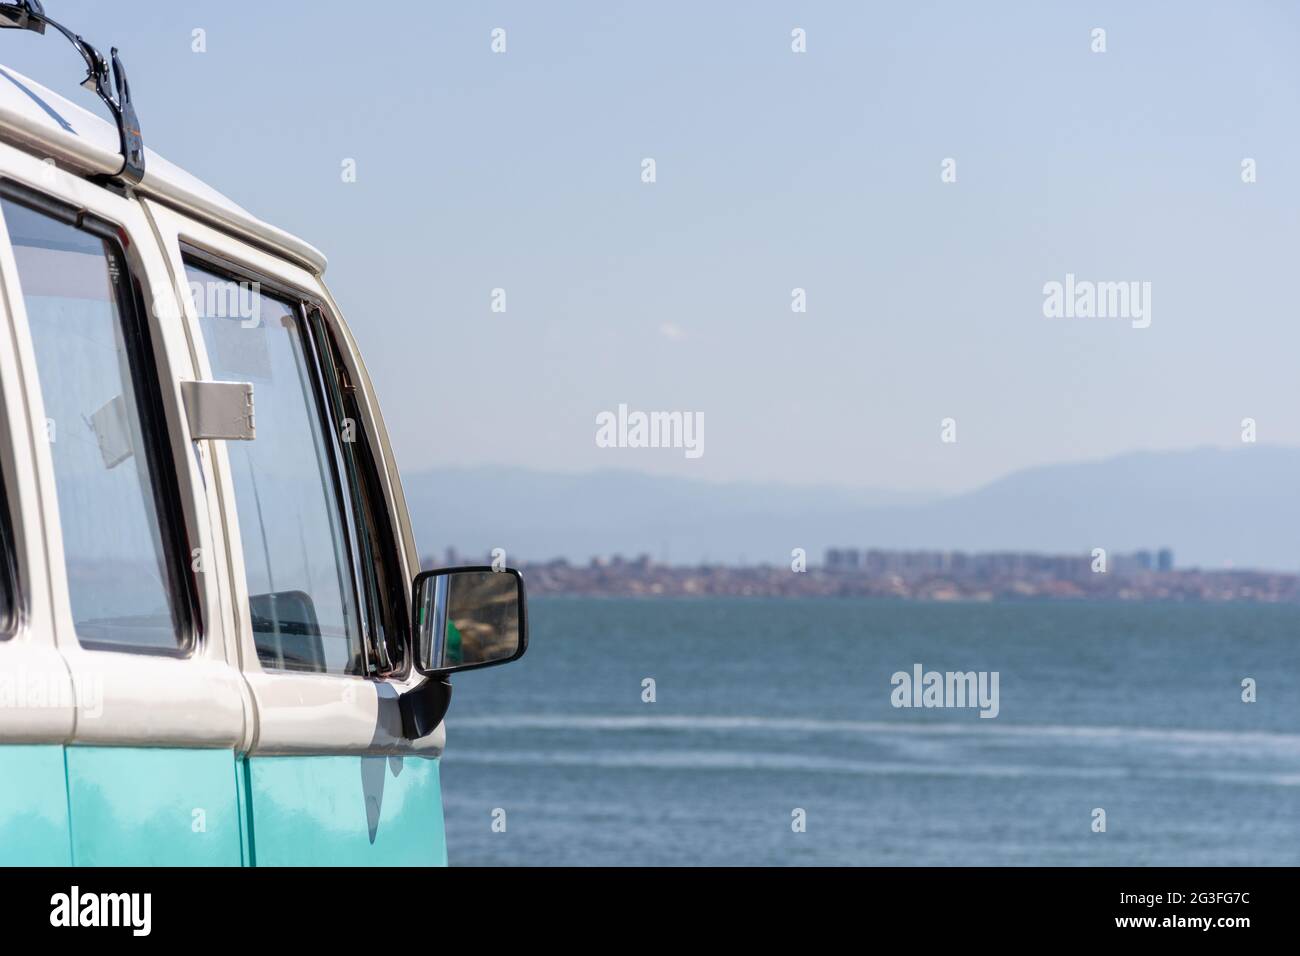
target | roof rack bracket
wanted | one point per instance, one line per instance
(30, 15)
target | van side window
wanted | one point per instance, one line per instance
(303, 601)
(123, 542)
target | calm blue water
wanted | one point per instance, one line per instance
(767, 705)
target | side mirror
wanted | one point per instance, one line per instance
(467, 618)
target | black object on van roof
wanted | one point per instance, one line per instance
(30, 15)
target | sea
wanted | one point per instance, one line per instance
(764, 732)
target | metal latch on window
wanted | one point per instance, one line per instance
(220, 410)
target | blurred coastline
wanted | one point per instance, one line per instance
(911, 575)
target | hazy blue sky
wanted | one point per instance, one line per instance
(775, 170)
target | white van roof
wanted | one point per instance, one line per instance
(48, 125)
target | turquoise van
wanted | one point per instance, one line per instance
(216, 644)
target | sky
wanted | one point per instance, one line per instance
(774, 170)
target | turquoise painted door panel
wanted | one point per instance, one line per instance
(346, 811)
(153, 806)
(33, 806)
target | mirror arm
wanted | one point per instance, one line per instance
(424, 706)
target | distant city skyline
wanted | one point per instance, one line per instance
(877, 561)
(922, 576)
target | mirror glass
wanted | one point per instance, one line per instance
(468, 617)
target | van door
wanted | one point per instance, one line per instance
(319, 558)
(124, 512)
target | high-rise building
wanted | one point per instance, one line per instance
(843, 559)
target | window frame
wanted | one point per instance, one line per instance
(323, 357)
(174, 533)
(30, 644)
(14, 612)
(368, 505)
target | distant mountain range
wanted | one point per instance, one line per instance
(1214, 507)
